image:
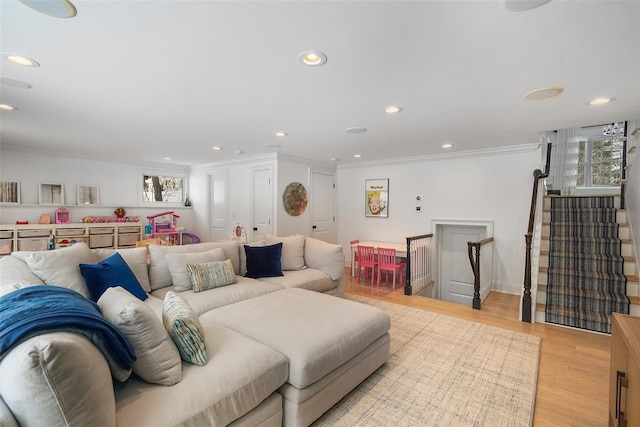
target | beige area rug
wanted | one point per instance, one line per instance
(444, 371)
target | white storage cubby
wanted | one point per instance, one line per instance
(37, 237)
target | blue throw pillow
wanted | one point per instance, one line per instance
(110, 273)
(263, 261)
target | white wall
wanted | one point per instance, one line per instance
(632, 193)
(494, 185)
(117, 182)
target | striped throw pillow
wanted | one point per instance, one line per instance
(211, 275)
(184, 328)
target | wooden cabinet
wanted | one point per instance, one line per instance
(624, 381)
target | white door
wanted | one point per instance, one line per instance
(456, 275)
(218, 206)
(262, 203)
(323, 216)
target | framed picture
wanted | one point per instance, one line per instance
(51, 194)
(9, 192)
(376, 198)
(88, 195)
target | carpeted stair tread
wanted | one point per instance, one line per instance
(584, 215)
(587, 297)
(577, 319)
(567, 229)
(587, 262)
(582, 244)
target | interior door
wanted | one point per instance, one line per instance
(262, 203)
(456, 276)
(218, 206)
(323, 201)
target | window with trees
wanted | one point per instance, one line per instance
(600, 162)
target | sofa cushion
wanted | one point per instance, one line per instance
(292, 250)
(159, 274)
(136, 259)
(60, 267)
(333, 331)
(204, 301)
(16, 274)
(211, 275)
(264, 261)
(178, 265)
(240, 374)
(324, 256)
(158, 360)
(310, 278)
(185, 329)
(58, 378)
(108, 273)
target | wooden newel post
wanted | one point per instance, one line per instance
(526, 297)
(407, 276)
(475, 266)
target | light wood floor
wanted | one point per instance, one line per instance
(574, 365)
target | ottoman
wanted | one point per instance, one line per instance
(332, 344)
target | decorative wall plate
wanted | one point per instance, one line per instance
(295, 199)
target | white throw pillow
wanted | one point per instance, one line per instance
(324, 256)
(292, 250)
(178, 266)
(61, 267)
(136, 259)
(158, 360)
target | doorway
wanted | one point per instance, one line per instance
(454, 276)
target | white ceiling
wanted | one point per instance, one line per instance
(144, 80)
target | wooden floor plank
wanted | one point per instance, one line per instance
(573, 376)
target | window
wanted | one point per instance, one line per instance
(163, 189)
(600, 162)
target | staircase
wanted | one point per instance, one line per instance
(584, 275)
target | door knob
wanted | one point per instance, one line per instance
(314, 227)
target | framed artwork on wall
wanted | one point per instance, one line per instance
(51, 194)
(88, 195)
(9, 192)
(376, 198)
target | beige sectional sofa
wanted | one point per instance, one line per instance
(280, 350)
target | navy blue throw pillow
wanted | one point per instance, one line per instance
(110, 273)
(264, 261)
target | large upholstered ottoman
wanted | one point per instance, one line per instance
(332, 344)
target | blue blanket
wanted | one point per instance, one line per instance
(36, 310)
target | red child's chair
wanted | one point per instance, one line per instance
(387, 262)
(366, 259)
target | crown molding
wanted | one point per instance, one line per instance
(497, 151)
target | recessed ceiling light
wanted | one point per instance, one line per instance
(55, 8)
(8, 81)
(8, 107)
(355, 130)
(357, 156)
(522, 5)
(600, 101)
(280, 133)
(447, 145)
(20, 60)
(238, 152)
(166, 158)
(216, 148)
(334, 159)
(312, 58)
(273, 145)
(392, 109)
(543, 93)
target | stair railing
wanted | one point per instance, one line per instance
(528, 238)
(419, 272)
(475, 266)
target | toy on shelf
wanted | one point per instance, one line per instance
(120, 212)
(62, 216)
(164, 226)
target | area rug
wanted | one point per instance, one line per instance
(444, 371)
